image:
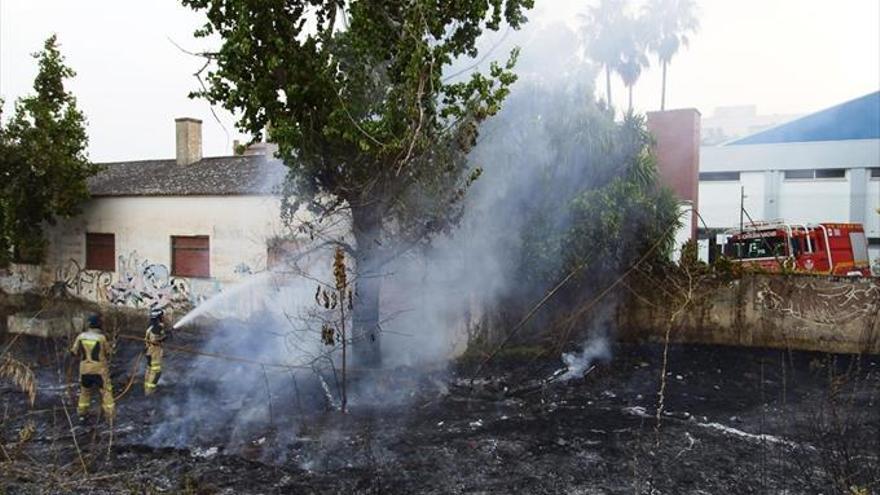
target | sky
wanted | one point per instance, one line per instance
(785, 56)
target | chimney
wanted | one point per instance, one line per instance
(677, 137)
(189, 140)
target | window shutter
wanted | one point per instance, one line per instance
(191, 256)
(101, 252)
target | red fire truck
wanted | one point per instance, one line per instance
(829, 248)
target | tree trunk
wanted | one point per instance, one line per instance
(367, 225)
(663, 90)
(631, 98)
(608, 85)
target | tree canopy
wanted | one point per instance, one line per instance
(361, 110)
(671, 21)
(619, 40)
(579, 193)
(43, 161)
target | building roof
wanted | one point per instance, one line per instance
(216, 176)
(854, 119)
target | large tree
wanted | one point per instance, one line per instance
(671, 21)
(605, 33)
(362, 113)
(633, 58)
(43, 162)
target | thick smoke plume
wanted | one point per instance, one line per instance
(433, 300)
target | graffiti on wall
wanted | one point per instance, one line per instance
(243, 269)
(138, 283)
(19, 278)
(145, 284)
(820, 301)
(72, 279)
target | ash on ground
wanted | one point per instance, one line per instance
(733, 419)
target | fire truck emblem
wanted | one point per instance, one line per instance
(808, 264)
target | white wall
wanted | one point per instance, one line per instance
(797, 199)
(720, 200)
(822, 200)
(788, 156)
(872, 216)
(238, 228)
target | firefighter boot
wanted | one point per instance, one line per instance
(151, 377)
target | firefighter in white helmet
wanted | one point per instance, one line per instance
(93, 351)
(154, 338)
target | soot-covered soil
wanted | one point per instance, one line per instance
(735, 420)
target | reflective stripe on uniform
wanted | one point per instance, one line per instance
(150, 385)
(89, 348)
(155, 367)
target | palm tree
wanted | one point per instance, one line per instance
(633, 58)
(671, 22)
(605, 37)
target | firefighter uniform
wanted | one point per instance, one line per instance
(93, 351)
(153, 339)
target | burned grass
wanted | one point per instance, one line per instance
(735, 419)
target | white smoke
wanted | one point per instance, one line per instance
(579, 362)
(430, 299)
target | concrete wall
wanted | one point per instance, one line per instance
(798, 312)
(238, 228)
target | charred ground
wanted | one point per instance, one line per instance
(735, 419)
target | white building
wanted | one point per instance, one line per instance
(727, 123)
(166, 232)
(824, 167)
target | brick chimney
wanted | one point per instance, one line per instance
(189, 140)
(677, 135)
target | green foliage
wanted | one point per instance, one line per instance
(690, 255)
(43, 162)
(615, 225)
(362, 113)
(357, 100)
(613, 213)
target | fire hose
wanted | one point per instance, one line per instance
(238, 359)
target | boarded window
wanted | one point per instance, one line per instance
(875, 173)
(191, 256)
(100, 252)
(718, 176)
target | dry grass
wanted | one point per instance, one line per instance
(20, 375)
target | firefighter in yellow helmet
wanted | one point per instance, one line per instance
(93, 351)
(154, 338)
